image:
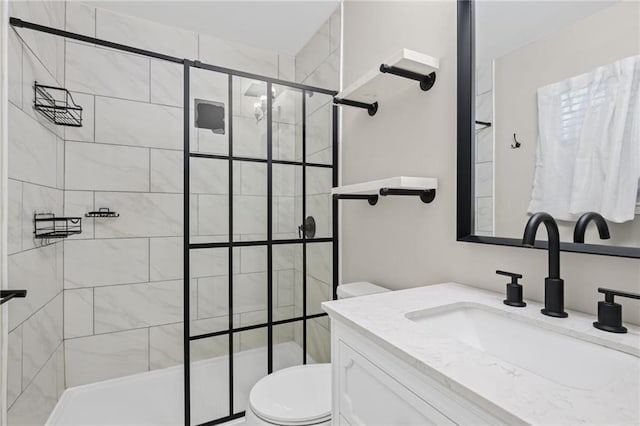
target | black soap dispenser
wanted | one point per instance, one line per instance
(514, 290)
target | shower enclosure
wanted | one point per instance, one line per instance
(221, 238)
(259, 212)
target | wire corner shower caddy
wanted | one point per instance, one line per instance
(56, 103)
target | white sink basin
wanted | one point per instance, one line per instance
(564, 359)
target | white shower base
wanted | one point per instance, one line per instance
(156, 397)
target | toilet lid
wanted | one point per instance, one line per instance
(293, 396)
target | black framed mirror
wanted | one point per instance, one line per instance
(520, 44)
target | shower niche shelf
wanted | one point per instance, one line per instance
(48, 226)
(102, 212)
(56, 103)
(383, 81)
(422, 187)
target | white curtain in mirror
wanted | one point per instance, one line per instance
(588, 154)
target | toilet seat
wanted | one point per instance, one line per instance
(294, 396)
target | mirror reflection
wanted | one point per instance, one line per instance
(557, 116)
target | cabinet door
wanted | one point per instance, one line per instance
(369, 396)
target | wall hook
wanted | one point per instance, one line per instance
(517, 144)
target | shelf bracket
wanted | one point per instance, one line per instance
(426, 81)
(371, 108)
(483, 123)
(371, 198)
(426, 195)
(6, 295)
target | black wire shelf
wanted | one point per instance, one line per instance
(102, 212)
(48, 226)
(57, 105)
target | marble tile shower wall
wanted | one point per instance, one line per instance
(484, 151)
(122, 277)
(318, 64)
(36, 171)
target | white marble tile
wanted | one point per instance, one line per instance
(103, 167)
(166, 346)
(317, 292)
(313, 53)
(106, 72)
(327, 74)
(77, 204)
(250, 178)
(484, 77)
(60, 170)
(123, 122)
(484, 180)
(38, 399)
(146, 34)
(167, 82)
(211, 262)
(166, 260)
(41, 336)
(484, 106)
(124, 307)
(14, 68)
(209, 176)
(249, 215)
(249, 137)
(14, 365)
(484, 214)
(45, 46)
(81, 18)
(287, 105)
(33, 71)
(318, 341)
(319, 180)
(287, 141)
(484, 145)
(285, 220)
(90, 263)
(320, 261)
(238, 56)
(60, 382)
(78, 313)
(286, 67)
(335, 29)
(41, 283)
(85, 133)
(252, 259)
(319, 132)
(250, 292)
(31, 150)
(166, 171)
(213, 215)
(95, 358)
(213, 296)
(285, 283)
(284, 180)
(14, 217)
(246, 93)
(319, 206)
(141, 215)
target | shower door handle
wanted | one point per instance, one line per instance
(308, 228)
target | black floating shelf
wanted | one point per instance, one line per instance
(102, 212)
(374, 85)
(57, 105)
(372, 198)
(6, 295)
(48, 226)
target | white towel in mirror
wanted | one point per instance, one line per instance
(588, 153)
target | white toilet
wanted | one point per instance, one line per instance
(300, 395)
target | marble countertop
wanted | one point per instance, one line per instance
(493, 384)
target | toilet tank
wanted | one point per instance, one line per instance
(361, 288)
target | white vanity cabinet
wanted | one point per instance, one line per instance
(373, 387)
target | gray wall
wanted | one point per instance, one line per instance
(401, 242)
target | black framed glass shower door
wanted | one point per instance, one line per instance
(260, 159)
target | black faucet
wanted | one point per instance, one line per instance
(553, 284)
(581, 226)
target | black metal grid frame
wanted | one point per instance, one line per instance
(466, 150)
(188, 246)
(231, 331)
